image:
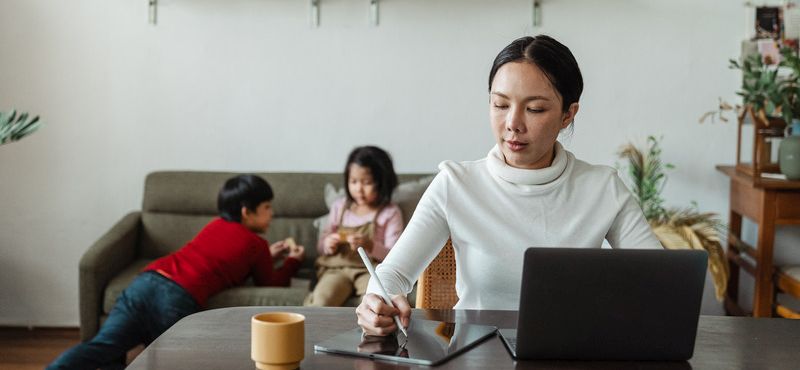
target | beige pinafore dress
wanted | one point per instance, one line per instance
(346, 263)
(346, 255)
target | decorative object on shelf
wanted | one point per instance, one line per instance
(763, 131)
(771, 98)
(675, 228)
(768, 22)
(789, 152)
(14, 127)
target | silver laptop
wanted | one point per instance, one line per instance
(603, 304)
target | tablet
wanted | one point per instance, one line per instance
(429, 342)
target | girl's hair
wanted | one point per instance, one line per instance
(552, 57)
(380, 166)
(242, 191)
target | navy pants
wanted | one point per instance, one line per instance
(147, 308)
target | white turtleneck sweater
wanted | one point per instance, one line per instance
(493, 212)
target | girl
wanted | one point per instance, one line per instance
(364, 218)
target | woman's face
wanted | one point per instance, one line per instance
(525, 111)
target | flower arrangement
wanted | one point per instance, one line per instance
(770, 88)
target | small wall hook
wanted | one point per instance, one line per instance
(152, 11)
(314, 13)
(373, 12)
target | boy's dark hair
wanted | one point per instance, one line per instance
(552, 57)
(242, 191)
(380, 166)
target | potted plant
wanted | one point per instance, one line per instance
(770, 94)
(770, 89)
(14, 127)
(675, 228)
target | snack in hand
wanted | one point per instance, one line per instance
(291, 243)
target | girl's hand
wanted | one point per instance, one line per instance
(298, 252)
(360, 240)
(330, 244)
(376, 317)
(277, 249)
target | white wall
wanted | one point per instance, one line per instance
(246, 85)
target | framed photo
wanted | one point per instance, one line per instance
(768, 22)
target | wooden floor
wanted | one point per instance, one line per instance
(23, 349)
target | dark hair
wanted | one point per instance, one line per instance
(242, 191)
(552, 57)
(380, 166)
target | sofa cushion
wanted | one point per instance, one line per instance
(258, 296)
(120, 282)
(296, 194)
(246, 295)
(301, 229)
(406, 195)
(164, 233)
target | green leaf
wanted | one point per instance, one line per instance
(13, 127)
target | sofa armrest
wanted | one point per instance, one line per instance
(101, 262)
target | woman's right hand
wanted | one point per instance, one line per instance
(330, 243)
(376, 317)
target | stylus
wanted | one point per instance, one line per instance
(386, 297)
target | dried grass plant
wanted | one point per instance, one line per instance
(675, 228)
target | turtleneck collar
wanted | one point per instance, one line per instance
(498, 167)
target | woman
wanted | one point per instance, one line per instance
(528, 191)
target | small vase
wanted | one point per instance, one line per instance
(789, 153)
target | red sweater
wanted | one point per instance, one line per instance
(223, 255)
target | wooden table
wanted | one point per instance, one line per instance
(767, 202)
(220, 339)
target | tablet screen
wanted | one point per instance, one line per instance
(429, 342)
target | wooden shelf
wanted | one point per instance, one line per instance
(767, 202)
(763, 182)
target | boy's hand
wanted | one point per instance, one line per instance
(297, 252)
(277, 249)
(329, 246)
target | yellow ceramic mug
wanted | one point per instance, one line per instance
(277, 340)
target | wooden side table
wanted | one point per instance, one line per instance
(767, 202)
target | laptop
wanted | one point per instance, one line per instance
(603, 304)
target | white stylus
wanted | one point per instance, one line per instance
(385, 295)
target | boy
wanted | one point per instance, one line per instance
(223, 254)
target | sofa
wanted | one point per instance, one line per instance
(177, 204)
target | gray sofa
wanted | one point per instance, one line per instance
(176, 205)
